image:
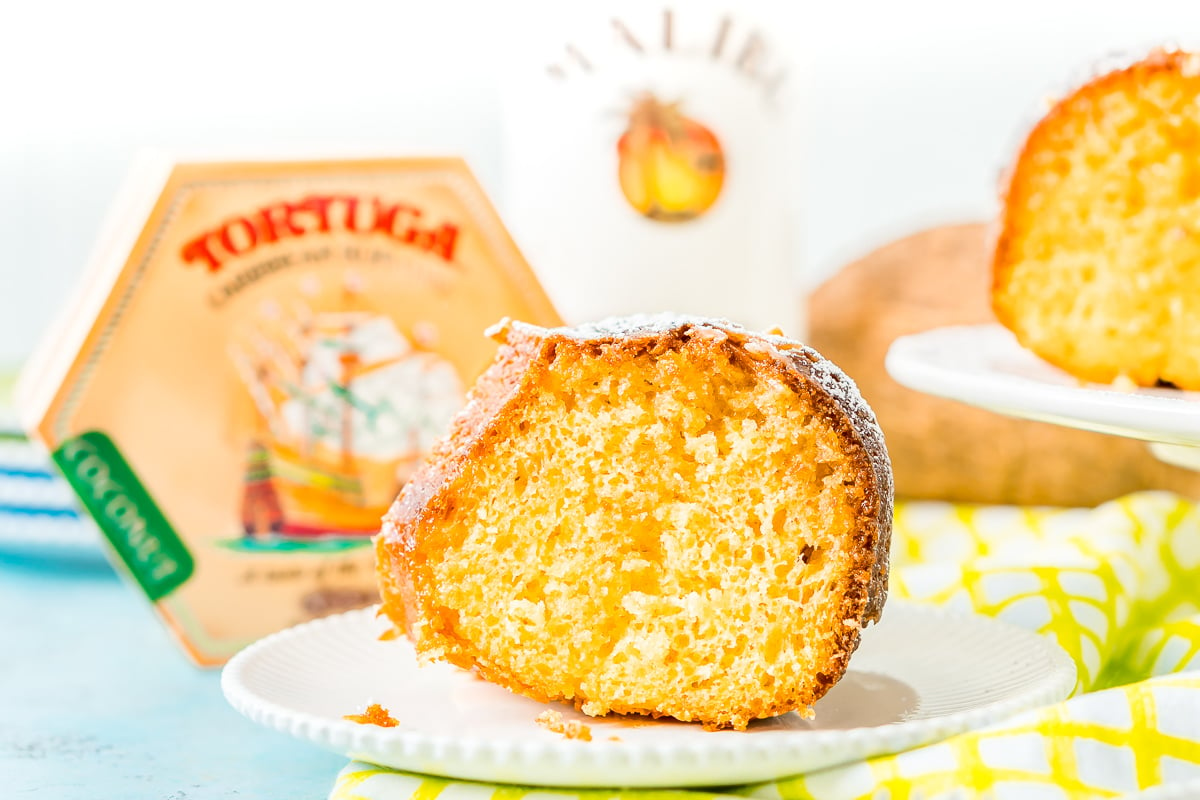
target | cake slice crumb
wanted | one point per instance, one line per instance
(374, 715)
(571, 729)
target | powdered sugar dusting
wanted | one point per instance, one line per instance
(827, 375)
(633, 326)
(639, 325)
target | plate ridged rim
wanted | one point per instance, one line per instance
(763, 758)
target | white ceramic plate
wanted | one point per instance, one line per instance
(920, 675)
(983, 365)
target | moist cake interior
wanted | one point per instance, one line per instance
(668, 525)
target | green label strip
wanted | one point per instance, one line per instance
(123, 509)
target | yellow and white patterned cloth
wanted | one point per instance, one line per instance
(1118, 587)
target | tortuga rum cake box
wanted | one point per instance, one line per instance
(260, 356)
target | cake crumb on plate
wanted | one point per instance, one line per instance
(374, 715)
(572, 729)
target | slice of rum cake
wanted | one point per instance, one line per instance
(655, 515)
(1097, 258)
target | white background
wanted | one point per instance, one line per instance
(908, 109)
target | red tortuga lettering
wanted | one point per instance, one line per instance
(198, 250)
(244, 243)
(385, 216)
(443, 243)
(314, 214)
(351, 219)
(276, 222)
(319, 206)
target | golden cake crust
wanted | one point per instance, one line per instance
(411, 539)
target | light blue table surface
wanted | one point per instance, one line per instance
(96, 701)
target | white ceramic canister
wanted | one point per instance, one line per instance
(647, 162)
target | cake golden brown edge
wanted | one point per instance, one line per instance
(403, 556)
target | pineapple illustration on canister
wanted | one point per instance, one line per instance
(671, 166)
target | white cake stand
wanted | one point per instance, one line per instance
(984, 366)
